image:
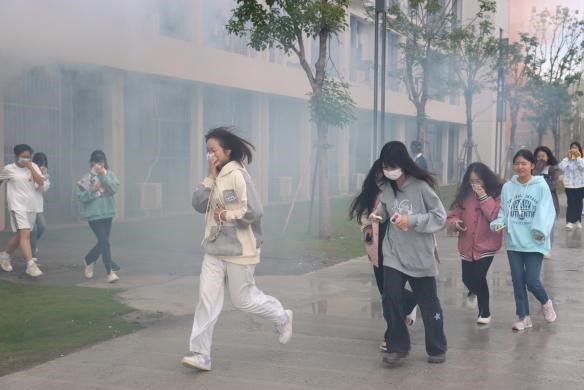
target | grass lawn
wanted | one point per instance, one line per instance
(39, 323)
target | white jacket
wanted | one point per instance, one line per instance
(238, 240)
(573, 172)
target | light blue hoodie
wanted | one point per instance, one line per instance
(526, 209)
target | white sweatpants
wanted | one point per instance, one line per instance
(245, 295)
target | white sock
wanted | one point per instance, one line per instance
(30, 262)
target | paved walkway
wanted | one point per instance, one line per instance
(338, 328)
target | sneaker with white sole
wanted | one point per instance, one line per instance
(112, 277)
(569, 226)
(89, 269)
(484, 320)
(5, 262)
(523, 324)
(411, 318)
(383, 347)
(32, 269)
(285, 329)
(578, 225)
(198, 361)
(548, 311)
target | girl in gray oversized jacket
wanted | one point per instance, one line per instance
(409, 250)
(232, 243)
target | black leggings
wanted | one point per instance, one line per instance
(474, 277)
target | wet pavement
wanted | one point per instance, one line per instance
(338, 328)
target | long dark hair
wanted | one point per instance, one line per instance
(493, 184)
(395, 153)
(240, 148)
(552, 160)
(98, 156)
(365, 201)
(577, 144)
(40, 159)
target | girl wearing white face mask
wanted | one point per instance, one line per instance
(24, 180)
(361, 207)
(415, 213)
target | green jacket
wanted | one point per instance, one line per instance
(100, 204)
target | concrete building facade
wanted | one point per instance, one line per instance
(145, 79)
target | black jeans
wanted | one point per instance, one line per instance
(574, 210)
(474, 277)
(102, 229)
(425, 292)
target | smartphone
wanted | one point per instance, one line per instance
(394, 218)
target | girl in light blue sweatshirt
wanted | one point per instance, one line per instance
(527, 216)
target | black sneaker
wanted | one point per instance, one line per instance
(437, 359)
(393, 359)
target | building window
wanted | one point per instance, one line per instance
(173, 19)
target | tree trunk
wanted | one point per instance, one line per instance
(556, 134)
(539, 138)
(421, 124)
(514, 114)
(324, 209)
(469, 140)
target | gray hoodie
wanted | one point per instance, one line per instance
(412, 252)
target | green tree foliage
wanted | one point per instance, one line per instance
(287, 25)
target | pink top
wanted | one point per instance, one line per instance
(478, 241)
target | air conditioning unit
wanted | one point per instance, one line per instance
(151, 196)
(359, 179)
(284, 186)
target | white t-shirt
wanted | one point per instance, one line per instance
(22, 193)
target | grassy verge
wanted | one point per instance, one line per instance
(40, 323)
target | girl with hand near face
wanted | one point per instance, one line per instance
(233, 211)
(477, 203)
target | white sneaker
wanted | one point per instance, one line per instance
(548, 311)
(112, 277)
(411, 318)
(285, 330)
(33, 269)
(484, 320)
(471, 301)
(569, 226)
(89, 268)
(523, 324)
(5, 263)
(578, 225)
(198, 361)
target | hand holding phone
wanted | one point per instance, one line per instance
(374, 218)
(460, 226)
